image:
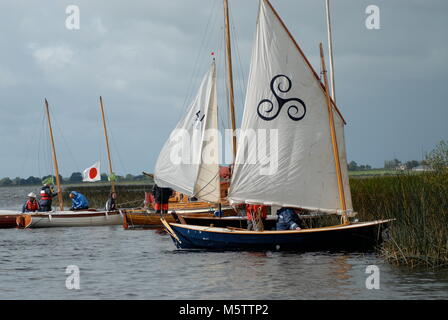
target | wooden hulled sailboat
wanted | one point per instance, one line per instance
(303, 160)
(61, 217)
(183, 175)
(198, 179)
(189, 161)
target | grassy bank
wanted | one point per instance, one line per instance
(374, 172)
(419, 203)
(130, 195)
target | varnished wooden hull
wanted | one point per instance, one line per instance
(9, 219)
(355, 236)
(132, 220)
(150, 219)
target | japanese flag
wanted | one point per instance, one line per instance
(92, 174)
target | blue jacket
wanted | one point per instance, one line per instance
(79, 201)
(287, 219)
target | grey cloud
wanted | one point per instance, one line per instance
(146, 57)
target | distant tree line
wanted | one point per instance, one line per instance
(436, 159)
(75, 177)
(353, 166)
(396, 164)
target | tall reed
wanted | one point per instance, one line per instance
(419, 203)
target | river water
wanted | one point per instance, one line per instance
(144, 264)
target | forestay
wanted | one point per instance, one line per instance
(189, 160)
(286, 108)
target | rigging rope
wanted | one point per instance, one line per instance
(65, 144)
(196, 70)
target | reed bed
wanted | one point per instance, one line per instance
(419, 203)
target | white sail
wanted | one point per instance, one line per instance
(286, 110)
(189, 160)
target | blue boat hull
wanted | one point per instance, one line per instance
(356, 237)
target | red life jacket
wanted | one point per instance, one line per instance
(44, 195)
(253, 208)
(32, 206)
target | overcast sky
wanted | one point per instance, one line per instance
(146, 57)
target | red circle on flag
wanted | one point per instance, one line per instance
(93, 173)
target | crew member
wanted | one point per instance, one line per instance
(79, 201)
(161, 198)
(256, 217)
(46, 197)
(31, 205)
(111, 202)
(287, 219)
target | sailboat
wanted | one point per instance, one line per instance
(197, 178)
(189, 161)
(200, 181)
(61, 217)
(305, 165)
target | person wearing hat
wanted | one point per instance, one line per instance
(31, 205)
(79, 201)
(46, 197)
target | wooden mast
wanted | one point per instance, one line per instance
(334, 139)
(107, 143)
(330, 50)
(230, 77)
(55, 160)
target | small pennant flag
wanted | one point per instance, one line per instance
(49, 180)
(112, 177)
(92, 174)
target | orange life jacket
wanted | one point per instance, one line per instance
(32, 206)
(253, 208)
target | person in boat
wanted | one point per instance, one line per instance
(79, 201)
(287, 219)
(161, 198)
(256, 217)
(46, 197)
(31, 205)
(111, 202)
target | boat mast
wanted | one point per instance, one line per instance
(334, 139)
(107, 143)
(330, 49)
(55, 160)
(230, 77)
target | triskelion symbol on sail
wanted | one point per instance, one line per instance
(266, 106)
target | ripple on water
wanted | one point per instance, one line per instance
(125, 264)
